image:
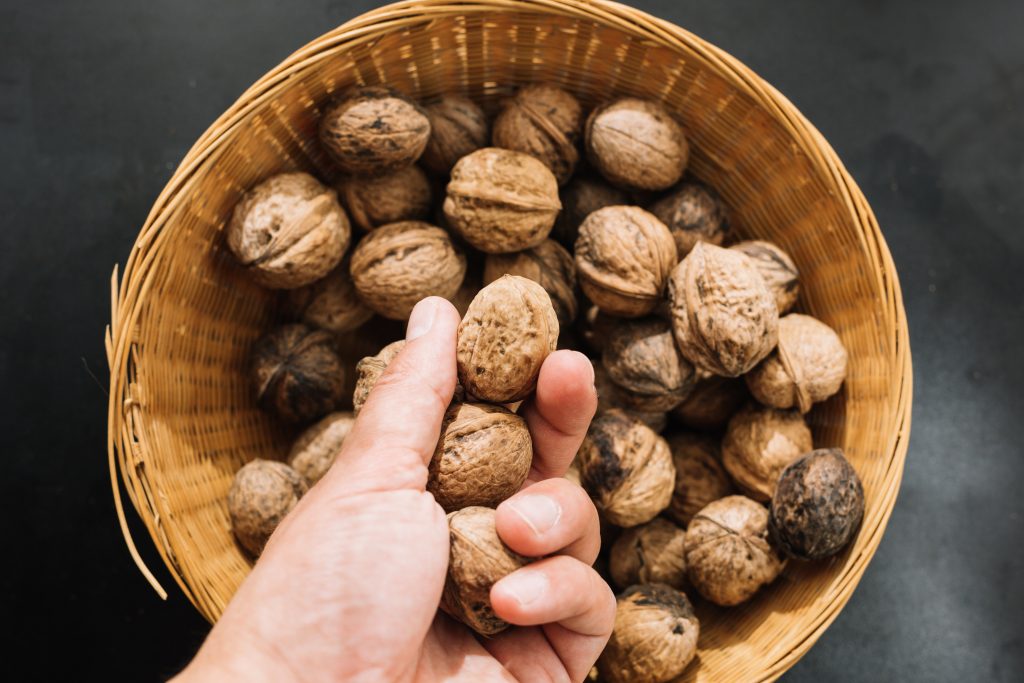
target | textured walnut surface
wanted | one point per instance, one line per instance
(693, 213)
(544, 122)
(649, 553)
(582, 196)
(399, 196)
(700, 477)
(549, 265)
(261, 494)
(642, 359)
(777, 268)
(331, 303)
(758, 444)
(610, 397)
(369, 370)
(297, 373)
(711, 403)
(314, 451)
(458, 126)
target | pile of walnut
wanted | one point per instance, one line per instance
(549, 228)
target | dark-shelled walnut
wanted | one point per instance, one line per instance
(378, 200)
(464, 297)
(654, 638)
(397, 265)
(297, 373)
(818, 505)
(314, 451)
(724, 316)
(626, 468)
(759, 443)
(508, 331)
(636, 144)
(369, 370)
(581, 196)
(609, 397)
(623, 259)
(542, 121)
(808, 366)
(261, 494)
(595, 326)
(458, 127)
(482, 458)
(374, 131)
(501, 201)
(711, 403)
(649, 553)
(693, 213)
(700, 477)
(549, 265)
(642, 359)
(777, 268)
(288, 231)
(330, 303)
(728, 556)
(477, 559)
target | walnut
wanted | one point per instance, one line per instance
(582, 196)
(649, 553)
(288, 231)
(728, 557)
(777, 268)
(399, 196)
(642, 359)
(700, 478)
(724, 316)
(549, 265)
(501, 201)
(477, 559)
(374, 131)
(458, 127)
(654, 638)
(759, 443)
(330, 303)
(314, 451)
(626, 468)
(261, 494)
(808, 366)
(610, 396)
(711, 403)
(636, 144)
(542, 121)
(369, 370)
(482, 457)
(595, 326)
(297, 373)
(694, 213)
(623, 259)
(508, 331)
(464, 297)
(397, 265)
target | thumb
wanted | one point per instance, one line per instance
(397, 429)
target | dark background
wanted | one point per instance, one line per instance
(99, 101)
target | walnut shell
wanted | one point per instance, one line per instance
(636, 144)
(397, 265)
(700, 478)
(654, 639)
(642, 359)
(595, 326)
(759, 443)
(723, 315)
(288, 231)
(818, 505)
(711, 403)
(693, 213)
(626, 468)
(458, 127)
(501, 201)
(809, 365)
(369, 370)
(297, 373)
(777, 268)
(399, 196)
(649, 553)
(482, 458)
(582, 196)
(610, 397)
(544, 122)
(549, 265)
(374, 131)
(728, 557)
(464, 297)
(330, 303)
(508, 331)
(477, 559)
(261, 494)
(314, 451)
(623, 259)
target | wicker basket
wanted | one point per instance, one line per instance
(182, 417)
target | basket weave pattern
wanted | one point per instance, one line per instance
(182, 416)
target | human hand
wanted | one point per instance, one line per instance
(348, 586)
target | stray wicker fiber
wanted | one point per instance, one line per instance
(182, 416)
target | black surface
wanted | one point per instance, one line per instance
(99, 101)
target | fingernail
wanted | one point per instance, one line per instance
(525, 586)
(421, 319)
(541, 513)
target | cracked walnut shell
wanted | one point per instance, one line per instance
(458, 127)
(759, 443)
(700, 478)
(693, 213)
(642, 359)
(314, 451)
(544, 122)
(297, 373)
(777, 268)
(649, 553)
(262, 493)
(549, 265)
(400, 196)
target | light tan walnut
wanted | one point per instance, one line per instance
(542, 121)
(700, 477)
(777, 268)
(262, 493)
(378, 200)
(649, 553)
(549, 265)
(582, 196)
(314, 451)
(759, 443)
